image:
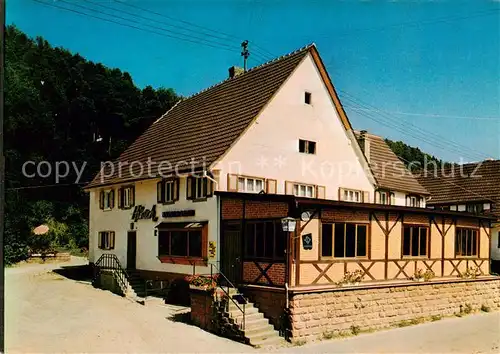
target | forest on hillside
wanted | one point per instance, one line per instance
(61, 107)
(408, 154)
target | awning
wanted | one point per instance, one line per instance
(181, 225)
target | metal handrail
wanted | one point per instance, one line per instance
(111, 261)
(228, 282)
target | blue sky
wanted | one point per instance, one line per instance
(425, 72)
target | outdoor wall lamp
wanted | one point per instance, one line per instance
(288, 224)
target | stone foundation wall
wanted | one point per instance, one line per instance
(317, 314)
(202, 309)
(270, 302)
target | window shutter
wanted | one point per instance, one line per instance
(132, 196)
(189, 187)
(210, 187)
(121, 193)
(232, 183)
(366, 197)
(111, 240)
(288, 187)
(101, 200)
(205, 186)
(393, 199)
(341, 193)
(377, 197)
(271, 185)
(320, 192)
(112, 197)
(160, 191)
(99, 239)
(406, 201)
(176, 189)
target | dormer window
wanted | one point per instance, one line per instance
(307, 97)
(307, 147)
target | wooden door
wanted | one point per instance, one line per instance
(231, 260)
(131, 249)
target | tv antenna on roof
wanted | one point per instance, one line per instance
(245, 53)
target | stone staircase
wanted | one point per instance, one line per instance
(257, 330)
(136, 285)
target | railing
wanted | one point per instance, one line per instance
(228, 285)
(109, 261)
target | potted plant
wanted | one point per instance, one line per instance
(202, 282)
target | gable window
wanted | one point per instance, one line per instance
(415, 241)
(307, 97)
(466, 242)
(385, 198)
(106, 240)
(107, 199)
(304, 190)
(344, 240)
(198, 188)
(250, 184)
(167, 191)
(126, 197)
(180, 243)
(265, 239)
(307, 147)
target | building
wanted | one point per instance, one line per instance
(472, 188)
(209, 186)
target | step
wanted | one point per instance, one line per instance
(277, 340)
(254, 323)
(261, 336)
(254, 330)
(238, 313)
(248, 317)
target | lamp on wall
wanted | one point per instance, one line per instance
(288, 224)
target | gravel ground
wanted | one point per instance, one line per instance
(48, 313)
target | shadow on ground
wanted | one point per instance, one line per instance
(79, 272)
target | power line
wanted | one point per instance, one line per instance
(47, 186)
(130, 26)
(421, 135)
(426, 115)
(266, 55)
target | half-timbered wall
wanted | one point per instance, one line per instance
(384, 259)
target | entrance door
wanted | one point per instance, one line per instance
(131, 249)
(231, 251)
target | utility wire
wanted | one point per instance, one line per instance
(130, 26)
(431, 115)
(214, 33)
(425, 133)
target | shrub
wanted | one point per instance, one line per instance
(485, 308)
(355, 330)
(352, 277)
(204, 281)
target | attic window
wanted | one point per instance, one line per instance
(307, 97)
(307, 147)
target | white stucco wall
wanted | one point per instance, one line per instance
(495, 251)
(269, 148)
(118, 220)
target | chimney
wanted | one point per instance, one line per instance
(364, 143)
(235, 71)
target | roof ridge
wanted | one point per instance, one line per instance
(306, 47)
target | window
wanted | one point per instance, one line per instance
(350, 195)
(265, 239)
(466, 242)
(307, 147)
(415, 241)
(344, 240)
(168, 190)
(307, 97)
(452, 208)
(385, 197)
(475, 208)
(304, 190)
(413, 201)
(107, 199)
(199, 188)
(180, 243)
(250, 185)
(498, 239)
(126, 197)
(106, 240)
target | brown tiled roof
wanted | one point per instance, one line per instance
(473, 182)
(202, 127)
(388, 170)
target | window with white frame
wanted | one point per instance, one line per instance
(250, 184)
(304, 190)
(307, 147)
(126, 197)
(168, 190)
(198, 188)
(413, 201)
(107, 199)
(384, 197)
(353, 196)
(106, 240)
